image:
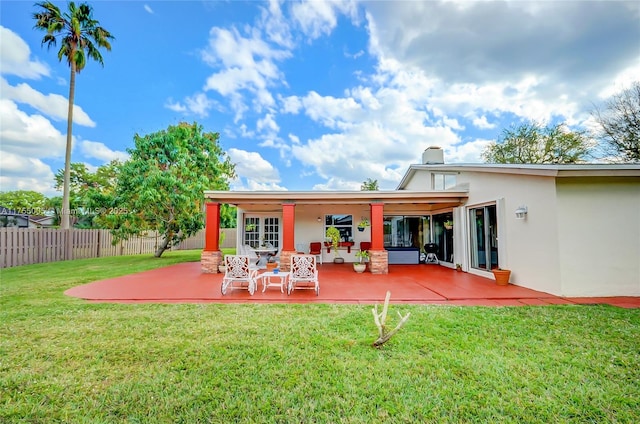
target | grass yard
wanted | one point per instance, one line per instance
(65, 360)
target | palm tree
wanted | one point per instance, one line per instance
(80, 36)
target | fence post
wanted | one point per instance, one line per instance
(68, 246)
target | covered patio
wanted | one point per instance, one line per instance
(415, 284)
(291, 220)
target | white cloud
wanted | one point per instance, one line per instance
(24, 173)
(15, 57)
(148, 9)
(198, 104)
(267, 124)
(28, 135)
(246, 63)
(97, 150)
(275, 25)
(317, 18)
(252, 166)
(54, 106)
(175, 106)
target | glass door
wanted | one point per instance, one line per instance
(483, 235)
(258, 231)
(443, 236)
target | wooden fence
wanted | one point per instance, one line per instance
(25, 246)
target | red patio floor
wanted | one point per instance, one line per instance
(420, 284)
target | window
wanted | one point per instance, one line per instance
(406, 231)
(443, 181)
(344, 224)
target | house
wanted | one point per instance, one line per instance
(569, 230)
(10, 218)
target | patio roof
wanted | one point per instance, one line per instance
(394, 201)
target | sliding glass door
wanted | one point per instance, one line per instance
(443, 236)
(483, 233)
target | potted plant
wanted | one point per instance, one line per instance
(271, 263)
(448, 224)
(364, 223)
(501, 276)
(361, 265)
(458, 267)
(333, 234)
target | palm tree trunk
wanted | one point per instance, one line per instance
(66, 210)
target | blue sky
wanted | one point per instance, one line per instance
(311, 95)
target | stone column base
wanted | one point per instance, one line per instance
(379, 261)
(285, 260)
(209, 261)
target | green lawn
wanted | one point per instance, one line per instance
(65, 360)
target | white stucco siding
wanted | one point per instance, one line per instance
(308, 229)
(599, 231)
(420, 181)
(530, 247)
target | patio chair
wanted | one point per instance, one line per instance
(254, 258)
(315, 248)
(239, 271)
(275, 255)
(304, 274)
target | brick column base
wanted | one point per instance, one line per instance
(209, 261)
(379, 261)
(285, 260)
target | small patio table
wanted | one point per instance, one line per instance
(283, 277)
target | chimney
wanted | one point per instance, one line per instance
(433, 155)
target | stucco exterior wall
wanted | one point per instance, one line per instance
(420, 181)
(599, 232)
(308, 228)
(528, 247)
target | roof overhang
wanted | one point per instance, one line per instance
(542, 170)
(394, 201)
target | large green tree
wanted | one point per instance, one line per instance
(26, 202)
(91, 193)
(619, 125)
(80, 38)
(531, 142)
(161, 186)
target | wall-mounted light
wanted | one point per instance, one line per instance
(319, 219)
(521, 212)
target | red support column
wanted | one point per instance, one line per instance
(211, 256)
(377, 226)
(288, 234)
(212, 227)
(378, 256)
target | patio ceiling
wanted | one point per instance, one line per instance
(399, 201)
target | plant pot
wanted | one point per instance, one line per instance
(222, 269)
(361, 229)
(359, 268)
(338, 260)
(501, 276)
(271, 265)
